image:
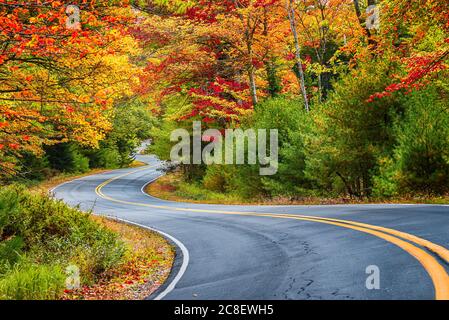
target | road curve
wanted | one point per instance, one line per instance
(280, 252)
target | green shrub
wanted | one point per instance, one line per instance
(67, 157)
(35, 167)
(421, 157)
(105, 157)
(291, 121)
(9, 206)
(100, 247)
(385, 183)
(27, 281)
(350, 133)
(10, 251)
(50, 233)
(216, 178)
(195, 191)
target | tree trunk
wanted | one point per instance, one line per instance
(347, 185)
(292, 18)
(251, 70)
(252, 84)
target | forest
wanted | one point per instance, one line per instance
(357, 89)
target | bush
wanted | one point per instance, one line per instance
(216, 178)
(350, 134)
(291, 121)
(29, 281)
(9, 200)
(106, 157)
(52, 234)
(67, 157)
(10, 251)
(36, 167)
(195, 191)
(421, 157)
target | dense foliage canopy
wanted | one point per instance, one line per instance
(351, 81)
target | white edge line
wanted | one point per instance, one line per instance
(185, 256)
(147, 184)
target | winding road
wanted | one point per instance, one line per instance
(279, 252)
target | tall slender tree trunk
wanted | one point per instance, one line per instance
(292, 18)
(251, 70)
(252, 84)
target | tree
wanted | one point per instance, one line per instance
(415, 34)
(324, 26)
(350, 133)
(58, 84)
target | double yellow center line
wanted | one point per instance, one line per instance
(405, 241)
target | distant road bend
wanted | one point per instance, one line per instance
(280, 252)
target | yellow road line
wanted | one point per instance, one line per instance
(439, 250)
(435, 270)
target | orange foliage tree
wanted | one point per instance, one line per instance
(59, 77)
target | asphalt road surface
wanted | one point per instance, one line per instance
(280, 252)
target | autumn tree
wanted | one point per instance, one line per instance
(324, 27)
(415, 35)
(59, 83)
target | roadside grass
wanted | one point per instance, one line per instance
(172, 187)
(29, 281)
(39, 236)
(50, 183)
